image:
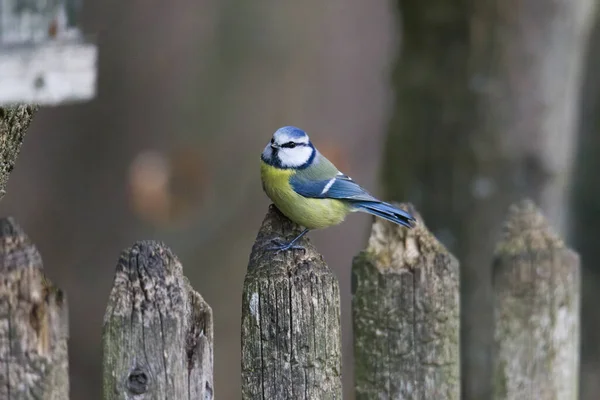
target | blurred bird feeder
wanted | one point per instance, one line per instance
(44, 58)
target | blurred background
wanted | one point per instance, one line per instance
(458, 107)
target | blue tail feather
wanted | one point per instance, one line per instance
(386, 211)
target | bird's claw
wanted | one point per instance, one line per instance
(282, 246)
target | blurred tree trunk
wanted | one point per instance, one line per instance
(486, 109)
(586, 217)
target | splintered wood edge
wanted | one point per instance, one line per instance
(16, 250)
(121, 301)
(39, 319)
(277, 226)
(200, 332)
(400, 268)
(527, 230)
(392, 246)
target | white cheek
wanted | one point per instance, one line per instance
(294, 157)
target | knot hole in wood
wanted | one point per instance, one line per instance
(138, 381)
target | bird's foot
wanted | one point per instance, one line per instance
(283, 246)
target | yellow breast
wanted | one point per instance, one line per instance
(310, 213)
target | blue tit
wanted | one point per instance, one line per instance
(308, 189)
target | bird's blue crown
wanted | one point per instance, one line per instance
(292, 132)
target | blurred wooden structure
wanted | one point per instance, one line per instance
(487, 102)
(536, 281)
(406, 314)
(158, 332)
(44, 57)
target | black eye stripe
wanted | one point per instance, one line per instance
(291, 145)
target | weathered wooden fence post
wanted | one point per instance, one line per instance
(158, 332)
(405, 308)
(44, 56)
(33, 323)
(291, 334)
(14, 121)
(536, 311)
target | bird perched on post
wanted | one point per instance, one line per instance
(308, 189)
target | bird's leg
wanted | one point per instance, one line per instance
(281, 246)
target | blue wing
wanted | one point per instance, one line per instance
(324, 181)
(340, 187)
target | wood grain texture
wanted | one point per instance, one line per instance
(536, 311)
(158, 332)
(405, 309)
(291, 331)
(14, 121)
(480, 121)
(33, 323)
